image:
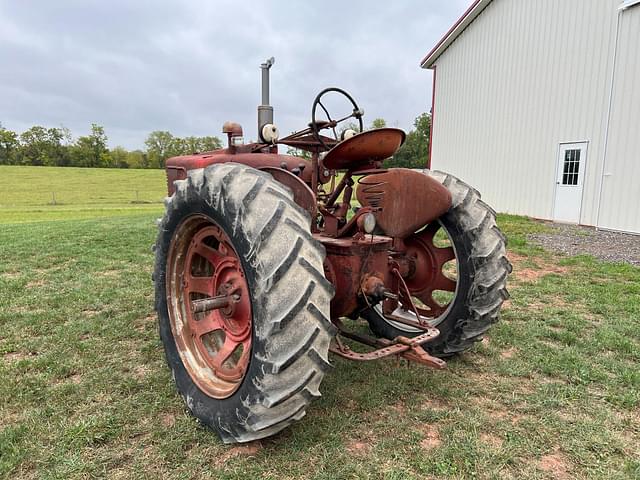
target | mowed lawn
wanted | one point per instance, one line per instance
(552, 392)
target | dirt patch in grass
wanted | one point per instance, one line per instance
(74, 379)
(108, 273)
(496, 411)
(361, 445)
(168, 420)
(36, 283)
(17, 356)
(140, 372)
(516, 258)
(250, 449)
(509, 352)
(10, 275)
(524, 271)
(532, 275)
(491, 440)
(145, 323)
(400, 408)
(357, 447)
(9, 418)
(22, 309)
(431, 437)
(556, 465)
(436, 404)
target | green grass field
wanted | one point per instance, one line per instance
(552, 392)
(51, 193)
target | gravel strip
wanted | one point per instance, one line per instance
(578, 240)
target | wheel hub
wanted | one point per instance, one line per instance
(427, 275)
(209, 306)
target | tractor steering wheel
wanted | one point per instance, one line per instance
(331, 123)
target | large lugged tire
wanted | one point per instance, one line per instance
(281, 319)
(482, 270)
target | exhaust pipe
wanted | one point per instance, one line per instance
(265, 111)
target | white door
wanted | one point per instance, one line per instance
(572, 159)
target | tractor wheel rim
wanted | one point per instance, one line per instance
(429, 276)
(214, 345)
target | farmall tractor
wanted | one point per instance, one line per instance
(261, 258)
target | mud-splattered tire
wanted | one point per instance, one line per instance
(289, 295)
(482, 268)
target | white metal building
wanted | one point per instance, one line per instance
(536, 103)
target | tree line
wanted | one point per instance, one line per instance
(414, 152)
(57, 147)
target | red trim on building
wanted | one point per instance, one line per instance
(433, 115)
(446, 35)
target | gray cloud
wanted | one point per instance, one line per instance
(134, 67)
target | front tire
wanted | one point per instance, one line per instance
(482, 270)
(282, 321)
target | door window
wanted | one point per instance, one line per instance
(571, 167)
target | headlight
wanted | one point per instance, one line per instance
(369, 222)
(270, 133)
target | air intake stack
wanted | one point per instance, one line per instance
(265, 111)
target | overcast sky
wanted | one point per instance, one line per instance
(186, 67)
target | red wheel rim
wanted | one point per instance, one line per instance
(428, 275)
(214, 341)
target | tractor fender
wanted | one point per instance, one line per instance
(405, 200)
(177, 167)
(302, 194)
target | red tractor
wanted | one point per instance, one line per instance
(261, 257)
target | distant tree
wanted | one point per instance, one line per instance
(55, 146)
(119, 157)
(414, 152)
(208, 144)
(91, 150)
(378, 123)
(9, 146)
(33, 146)
(187, 145)
(296, 152)
(190, 145)
(160, 146)
(137, 159)
(43, 146)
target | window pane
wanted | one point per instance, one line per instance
(571, 167)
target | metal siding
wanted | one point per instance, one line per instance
(621, 189)
(522, 78)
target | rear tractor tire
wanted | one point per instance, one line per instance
(250, 368)
(478, 248)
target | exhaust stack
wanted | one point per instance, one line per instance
(265, 111)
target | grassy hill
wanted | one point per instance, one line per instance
(54, 193)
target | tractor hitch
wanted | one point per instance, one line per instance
(409, 348)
